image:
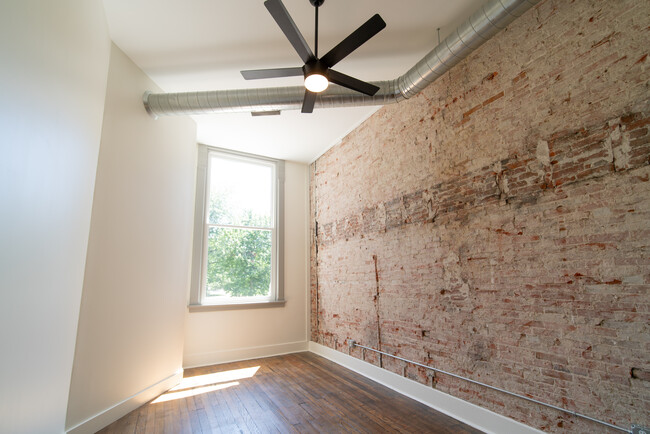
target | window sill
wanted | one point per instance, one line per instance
(235, 306)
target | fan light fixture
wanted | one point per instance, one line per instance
(318, 71)
(316, 83)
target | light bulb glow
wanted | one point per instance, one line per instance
(316, 83)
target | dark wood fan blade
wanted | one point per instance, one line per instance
(282, 17)
(356, 39)
(308, 102)
(256, 74)
(351, 82)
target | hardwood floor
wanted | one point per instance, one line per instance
(300, 392)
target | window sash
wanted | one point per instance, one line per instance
(206, 299)
(227, 156)
(198, 288)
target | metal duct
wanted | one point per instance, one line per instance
(480, 27)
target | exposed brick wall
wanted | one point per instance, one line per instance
(498, 224)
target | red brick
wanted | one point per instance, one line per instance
(515, 248)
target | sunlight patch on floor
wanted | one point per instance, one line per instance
(217, 377)
(169, 396)
(192, 386)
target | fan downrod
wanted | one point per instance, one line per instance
(316, 3)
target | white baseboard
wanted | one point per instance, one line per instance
(225, 356)
(110, 415)
(463, 411)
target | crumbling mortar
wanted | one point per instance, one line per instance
(500, 180)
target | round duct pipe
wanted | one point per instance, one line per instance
(492, 17)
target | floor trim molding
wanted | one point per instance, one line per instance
(463, 411)
(110, 415)
(226, 356)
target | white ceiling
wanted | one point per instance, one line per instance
(188, 45)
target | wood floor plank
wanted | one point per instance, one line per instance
(281, 402)
(263, 408)
(150, 426)
(204, 421)
(195, 420)
(208, 411)
(186, 424)
(301, 393)
(141, 420)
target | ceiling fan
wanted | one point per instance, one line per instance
(317, 71)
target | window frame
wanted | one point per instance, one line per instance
(197, 299)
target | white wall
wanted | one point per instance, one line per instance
(53, 82)
(53, 65)
(137, 272)
(221, 336)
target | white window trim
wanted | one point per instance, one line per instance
(197, 302)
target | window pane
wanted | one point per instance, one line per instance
(239, 263)
(241, 193)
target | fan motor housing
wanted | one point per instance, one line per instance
(314, 67)
(316, 3)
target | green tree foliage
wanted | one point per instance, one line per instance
(239, 260)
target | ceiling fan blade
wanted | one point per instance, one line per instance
(351, 83)
(308, 102)
(282, 17)
(255, 74)
(356, 39)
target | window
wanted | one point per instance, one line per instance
(238, 230)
